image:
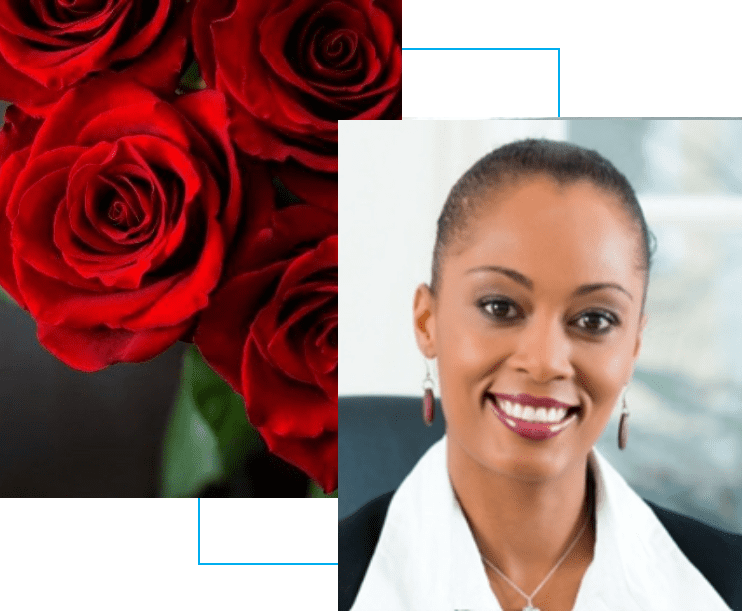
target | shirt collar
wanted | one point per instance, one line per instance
(426, 558)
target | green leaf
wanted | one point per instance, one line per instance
(224, 411)
(191, 455)
(208, 436)
(316, 492)
(5, 296)
(191, 79)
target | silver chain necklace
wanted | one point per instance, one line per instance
(529, 606)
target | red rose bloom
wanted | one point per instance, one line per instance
(16, 137)
(118, 216)
(271, 329)
(46, 46)
(292, 68)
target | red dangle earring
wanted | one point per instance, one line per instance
(623, 426)
(428, 398)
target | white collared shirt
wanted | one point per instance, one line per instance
(426, 558)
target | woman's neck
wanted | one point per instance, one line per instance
(522, 527)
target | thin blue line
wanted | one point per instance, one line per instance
(559, 82)
(557, 49)
(250, 563)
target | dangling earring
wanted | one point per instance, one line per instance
(428, 398)
(623, 426)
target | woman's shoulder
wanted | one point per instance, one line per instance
(357, 538)
(716, 553)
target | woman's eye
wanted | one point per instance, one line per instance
(499, 308)
(596, 322)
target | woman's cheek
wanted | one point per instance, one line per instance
(465, 357)
(603, 373)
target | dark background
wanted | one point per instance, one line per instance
(68, 433)
(64, 433)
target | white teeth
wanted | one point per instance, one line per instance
(558, 427)
(542, 414)
(557, 414)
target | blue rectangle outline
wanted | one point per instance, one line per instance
(557, 49)
(250, 563)
(559, 93)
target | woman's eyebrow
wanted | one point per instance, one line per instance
(528, 283)
(510, 273)
(588, 288)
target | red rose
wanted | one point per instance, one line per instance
(15, 141)
(303, 65)
(119, 215)
(46, 46)
(271, 329)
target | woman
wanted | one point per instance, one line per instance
(535, 313)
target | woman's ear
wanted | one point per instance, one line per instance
(423, 310)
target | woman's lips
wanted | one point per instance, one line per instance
(536, 431)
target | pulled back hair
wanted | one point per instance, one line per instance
(565, 163)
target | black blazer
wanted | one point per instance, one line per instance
(715, 553)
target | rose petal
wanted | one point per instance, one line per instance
(321, 347)
(317, 456)
(275, 30)
(190, 293)
(8, 171)
(143, 36)
(261, 141)
(94, 349)
(278, 340)
(227, 319)
(207, 112)
(59, 67)
(204, 14)
(298, 224)
(45, 49)
(282, 405)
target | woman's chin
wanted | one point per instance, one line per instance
(533, 468)
(504, 460)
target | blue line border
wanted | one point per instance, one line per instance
(250, 563)
(557, 49)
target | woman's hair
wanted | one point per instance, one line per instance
(563, 162)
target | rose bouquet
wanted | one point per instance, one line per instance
(168, 172)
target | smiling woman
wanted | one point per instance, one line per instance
(535, 315)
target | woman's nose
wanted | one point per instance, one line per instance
(543, 350)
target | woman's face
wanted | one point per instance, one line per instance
(541, 297)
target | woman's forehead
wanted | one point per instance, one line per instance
(575, 230)
(541, 193)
